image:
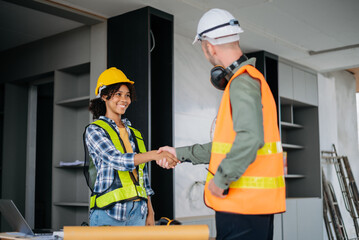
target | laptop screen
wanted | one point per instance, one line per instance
(14, 218)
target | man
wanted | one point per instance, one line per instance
(245, 183)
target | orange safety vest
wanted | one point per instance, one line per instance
(261, 189)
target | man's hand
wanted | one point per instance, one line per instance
(169, 149)
(216, 191)
(164, 162)
(155, 155)
(166, 159)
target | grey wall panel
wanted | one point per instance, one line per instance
(31, 156)
(290, 221)
(303, 219)
(43, 56)
(311, 85)
(278, 230)
(299, 93)
(285, 78)
(14, 146)
(98, 54)
(310, 217)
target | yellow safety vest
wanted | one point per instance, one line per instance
(128, 189)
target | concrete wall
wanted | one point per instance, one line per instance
(338, 125)
(196, 103)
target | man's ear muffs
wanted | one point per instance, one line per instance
(220, 76)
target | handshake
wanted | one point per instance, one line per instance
(166, 157)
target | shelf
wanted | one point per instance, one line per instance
(75, 102)
(71, 204)
(71, 100)
(70, 167)
(290, 102)
(291, 146)
(291, 176)
(288, 125)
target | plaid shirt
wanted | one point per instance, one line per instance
(107, 159)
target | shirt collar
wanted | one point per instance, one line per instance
(250, 61)
(125, 121)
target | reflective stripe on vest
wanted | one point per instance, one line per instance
(261, 188)
(268, 148)
(129, 190)
(256, 182)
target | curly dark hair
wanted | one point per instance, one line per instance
(97, 105)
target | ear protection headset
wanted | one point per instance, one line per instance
(220, 76)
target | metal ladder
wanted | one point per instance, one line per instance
(332, 217)
(349, 192)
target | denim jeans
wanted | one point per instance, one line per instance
(133, 217)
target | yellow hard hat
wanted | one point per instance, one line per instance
(110, 76)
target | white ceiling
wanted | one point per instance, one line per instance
(291, 29)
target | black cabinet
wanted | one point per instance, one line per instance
(267, 64)
(140, 43)
(298, 124)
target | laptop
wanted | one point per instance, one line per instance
(17, 222)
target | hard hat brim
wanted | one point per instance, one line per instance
(97, 92)
(196, 39)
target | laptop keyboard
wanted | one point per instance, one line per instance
(46, 237)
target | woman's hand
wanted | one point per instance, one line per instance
(150, 220)
(165, 163)
(166, 159)
(156, 155)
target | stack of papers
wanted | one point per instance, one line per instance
(75, 163)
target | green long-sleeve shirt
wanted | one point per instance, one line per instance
(245, 97)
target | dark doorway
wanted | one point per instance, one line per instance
(45, 103)
(2, 93)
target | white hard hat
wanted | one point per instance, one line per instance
(218, 26)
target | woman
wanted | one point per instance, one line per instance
(121, 191)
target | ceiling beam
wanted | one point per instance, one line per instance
(333, 49)
(61, 10)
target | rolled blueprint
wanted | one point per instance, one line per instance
(172, 232)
